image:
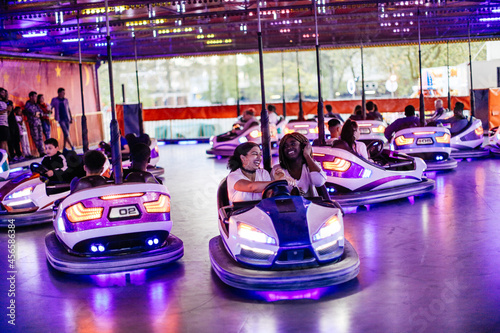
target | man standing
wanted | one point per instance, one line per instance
(33, 113)
(4, 125)
(62, 113)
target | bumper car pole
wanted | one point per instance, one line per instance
(363, 95)
(139, 112)
(283, 85)
(301, 110)
(321, 116)
(472, 106)
(115, 135)
(422, 103)
(264, 117)
(85, 136)
(448, 67)
(238, 110)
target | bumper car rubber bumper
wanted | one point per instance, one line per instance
(448, 164)
(470, 153)
(221, 152)
(495, 150)
(26, 219)
(156, 171)
(61, 260)
(239, 276)
(371, 197)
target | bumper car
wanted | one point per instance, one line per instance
(432, 144)
(371, 131)
(468, 142)
(353, 181)
(494, 145)
(282, 242)
(153, 168)
(308, 128)
(280, 128)
(28, 199)
(224, 145)
(111, 228)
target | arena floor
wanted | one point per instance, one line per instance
(428, 264)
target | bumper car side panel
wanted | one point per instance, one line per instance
(470, 153)
(61, 260)
(238, 276)
(26, 219)
(447, 164)
(371, 197)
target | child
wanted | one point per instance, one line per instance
(93, 164)
(54, 161)
(23, 132)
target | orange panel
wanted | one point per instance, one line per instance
(494, 107)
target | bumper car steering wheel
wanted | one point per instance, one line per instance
(374, 149)
(275, 189)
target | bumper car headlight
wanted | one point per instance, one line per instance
(25, 192)
(248, 232)
(243, 139)
(329, 228)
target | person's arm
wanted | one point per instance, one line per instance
(126, 149)
(69, 113)
(244, 185)
(318, 178)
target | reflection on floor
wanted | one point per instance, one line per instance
(428, 264)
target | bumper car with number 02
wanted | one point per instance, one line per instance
(282, 242)
(111, 228)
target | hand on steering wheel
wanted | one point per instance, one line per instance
(275, 188)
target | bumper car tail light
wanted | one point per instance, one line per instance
(379, 129)
(338, 164)
(443, 139)
(121, 196)
(314, 130)
(79, 213)
(424, 133)
(479, 131)
(401, 140)
(329, 228)
(162, 205)
(289, 130)
(253, 234)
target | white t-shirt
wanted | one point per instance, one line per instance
(308, 179)
(361, 149)
(261, 175)
(3, 115)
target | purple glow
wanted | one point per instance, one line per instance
(412, 200)
(275, 296)
(137, 277)
(350, 210)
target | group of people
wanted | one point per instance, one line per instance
(372, 112)
(457, 122)
(37, 114)
(247, 180)
(56, 165)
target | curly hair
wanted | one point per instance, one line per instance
(284, 162)
(234, 162)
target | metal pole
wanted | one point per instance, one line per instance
(301, 110)
(116, 154)
(85, 132)
(321, 116)
(123, 93)
(264, 117)
(363, 95)
(422, 103)
(448, 66)
(283, 85)
(472, 106)
(139, 113)
(238, 110)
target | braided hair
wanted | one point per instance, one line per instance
(284, 161)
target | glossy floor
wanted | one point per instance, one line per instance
(428, 264)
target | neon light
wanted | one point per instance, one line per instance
(122, 196)
(338, 164)
(162, 205)
(443, 139)
(35, 34)
(72, 40)
(79, 213)
(424, 133)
